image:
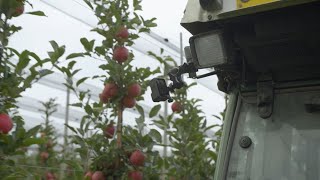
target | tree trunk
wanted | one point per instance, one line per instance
(119, 126)
(119, 135)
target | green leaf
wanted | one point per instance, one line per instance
(154, 111)
(88, 46)
(150, 23)
(81, 81)
(217, 117)
(14, 51)
(204, 124)
(75, 72)
(140, 110)
(83, 120)
(88, 3)
(29, 79)
(23, 62)
(37, 13)
(87, 126)
(54, 45)
(136, 5)
(210, 127)
(31, 141)
(75, 55)
(45, 72)
(82, 94)
(147, 30)
(57, 53)
(71, 128)
(100, 50)
(156, 135)
(33, 131)
(76, 104)
(88, 109)
(61, 51)
(36, 57)
(71, 64)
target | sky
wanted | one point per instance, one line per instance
(69, 20)
(169, 14)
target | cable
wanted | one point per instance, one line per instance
(141, 37)
(159, 46)
(81, 4)
(44, 167)
(91, 26)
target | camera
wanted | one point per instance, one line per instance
(159, 88)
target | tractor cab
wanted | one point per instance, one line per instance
(266, 55)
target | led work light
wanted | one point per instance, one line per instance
(208, 49)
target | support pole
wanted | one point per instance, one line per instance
(165, 138)
(65, 144)
(66, 120)
(181, 49)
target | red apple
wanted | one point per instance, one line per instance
(18, 11)
(44, 156)
(134, 90)
(122, 33)
(88, 175)
(109, 131)
(120, 54)
(128, 102)
(137, 158)
(110, 90)
(176, 107)
(98, 175)
(5, 123)
(50, 176)
(104, 98)
(135, 175)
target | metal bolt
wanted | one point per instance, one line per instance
(209, 17)
(245, 142)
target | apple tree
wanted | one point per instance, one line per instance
(48, 154)
(18, 71)
(109, 149)
(193, 153)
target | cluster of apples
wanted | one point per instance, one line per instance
(121, 53)
(111, 90)
(45, 155)
(137, 159)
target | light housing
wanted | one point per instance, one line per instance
(209, 49)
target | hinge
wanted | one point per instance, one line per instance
(265, 95)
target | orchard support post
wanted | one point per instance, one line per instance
(65, 136)
(181, 49)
